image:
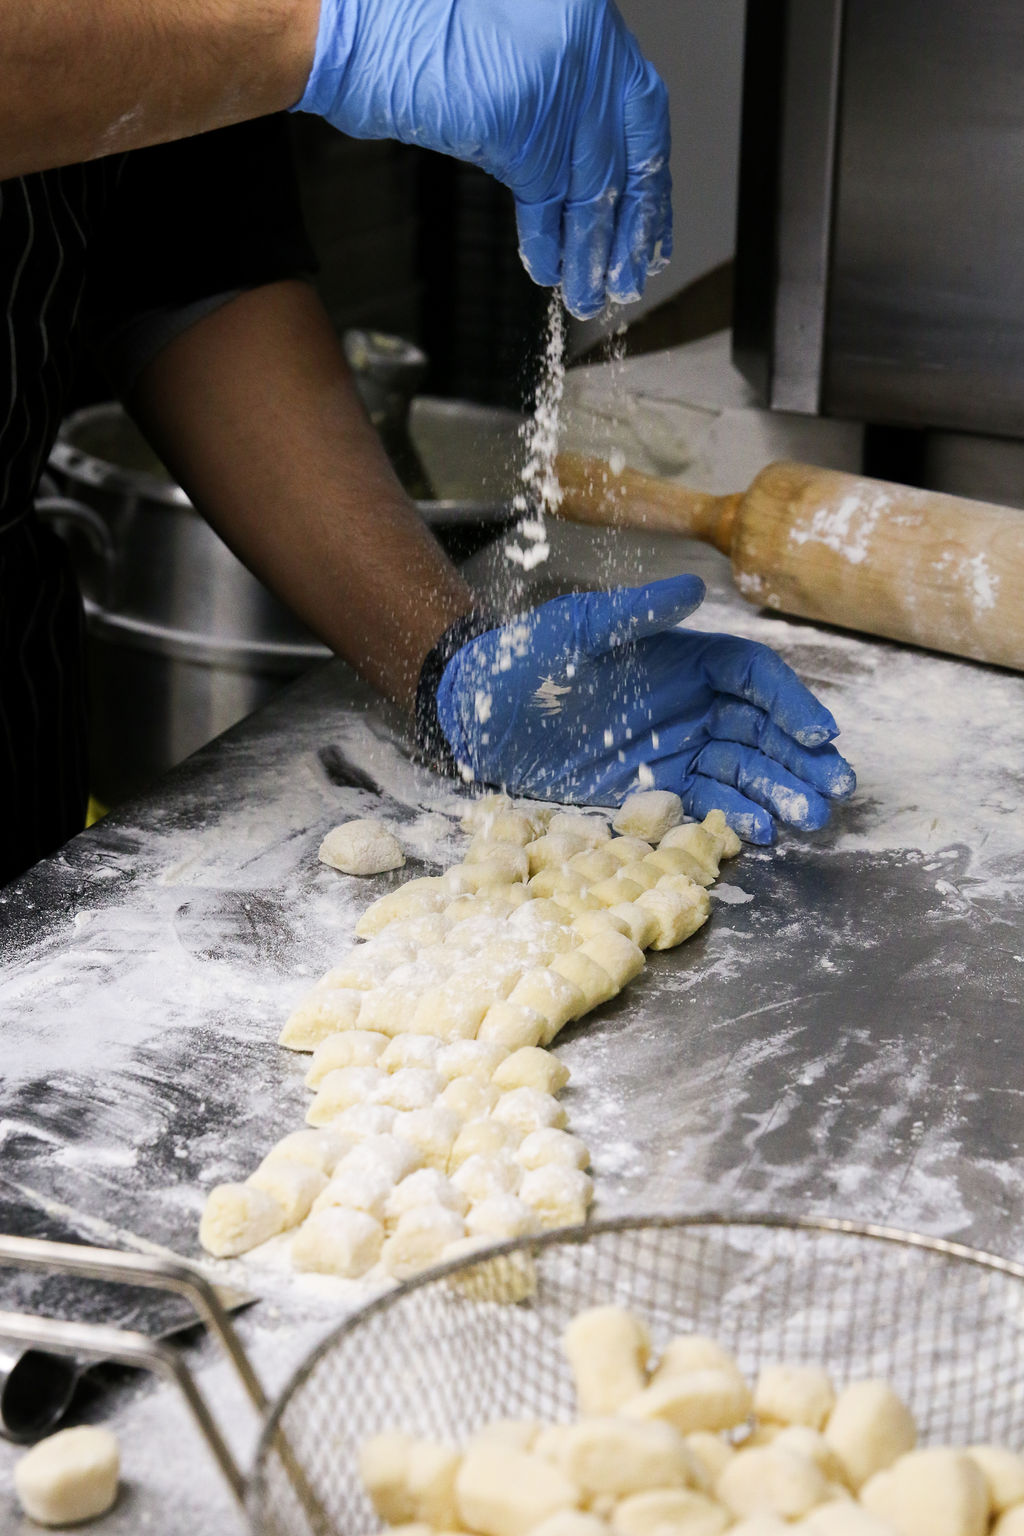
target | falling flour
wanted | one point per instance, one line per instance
(541, 492)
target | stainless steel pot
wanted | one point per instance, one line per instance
(184, 641)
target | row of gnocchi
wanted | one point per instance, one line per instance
(435, 1125)
(686, 1448)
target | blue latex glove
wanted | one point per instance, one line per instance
(553, 97)
(595, 695)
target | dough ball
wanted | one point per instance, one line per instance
(512, 1025)
(641, 874)
(700, 845)
(615, 954)
(449, 1012)
(1010, 1523)
(484, 1176)
(238, 1217)
(354, 1048)
(482, 1138)
(413, 899)
(933, 1492)
(469, 1099)
(361, 848)
(587, 975)
(320, 1014)
(505, 1280)
(693, 1352)
(470, 1058)
(868, 1428)
(70, 1476)
(531, 1067)
(341, 1089)
(365, 1120)
(593, 925)
(409, 1088)
(478, 813)
(610, 1455)
(496, 903)
(716, 824)
(474, 879)
(419, 1239)
(554, 849)
(617, 891)
(427, 1186)
(293, 1185)
(554, 880)
(835, 1519)
(576, 903)
(338, 1241)
(527, 1109)
(432, 1469)
(648, 814)
(710, 1399)
(710, 1455)
(607, 1349)
(640, 926)
(559, 1195)
(1004, 1475)
(767, 1525)
(669, 1512)
(508, 826)
(384, 1468)
(677, 918)
(409, 1051)
(504, 1492)
(794, 1394)
(366, 967)
(571, 1522)
(431, 1132)
(769, 1480)
(415, 933)
(594, 830)
(552, 994)
(628, 850)
(322, 1150)
(676, 861)
(506, 863)
(501, 1217)
(359, 1189)
(813, 1445)
(552, 1147)
(593, 864)
(386, 1153)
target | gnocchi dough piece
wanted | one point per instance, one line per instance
(531, 1067)
(616, 954)
(365, 1120)
(482, 1138)
(509, 826)
(812, 1444)
(483, 1176)
(551, 1147)
(501, 1217)
(669, 1512)
(640, 874)
(649, 813)
(450, 1012)
(835, 1519)
(554, 849)
(409, 1088)
(613, 1456)
(413, 899)
(319, 1015)
(1004, 1474)
(710, 1455)
(432, 1469)
(794, 1394)
(528, 1109)
(575, 903)
(474, 879)
(628, 850)
(552, 994)
(705, 1399)
(592, 925)
(509, 1278)
(512, 1025)
(343, 1088)
(770, 1480)
(431, 1132)
(593, 829)
(419, 1239)
(693, 1352)
(607, 1349)
(1011, 1522)
(616, 891)
(932, 1492)
(702, 846)
(388, 1009)
(354, 1048)
(585, 973)
(593, 864)
(359, 1189)
(496, 902)
(427, 1186)
(868, 1428)
(640, 926)
(238, 1217)
(559, 1195)
(518, 1433)
(677, 861)
(504, 1492)
(677, 918)
(70, 1476)
(572, 1522)
(554, 880)
(337, 1241)
(509, 864)
(384, 1468)
(363, 847)
(293, 1185)
(396, 1156)
(468, 1098)
(321, 1150)
(729, 844)
(479, 1059)
(482, 811)
(409, 1051)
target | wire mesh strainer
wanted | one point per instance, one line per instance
(942, 1323)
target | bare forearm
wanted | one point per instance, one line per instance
(255, 413)
(83, 78)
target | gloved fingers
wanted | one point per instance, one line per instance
(643, 233)
(756, 674)
(589, 228)
(821, 767)
(626, 614)
(765, 782)
(540, 239)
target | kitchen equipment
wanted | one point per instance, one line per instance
(916, 566)
(446, 1353)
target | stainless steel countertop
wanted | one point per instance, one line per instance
(842, 1038)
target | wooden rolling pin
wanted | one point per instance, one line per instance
(933, 570)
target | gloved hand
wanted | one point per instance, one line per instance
(553, 97)
(595, 695)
